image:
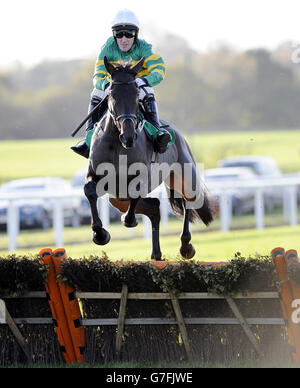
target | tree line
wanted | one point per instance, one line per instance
(222, 89)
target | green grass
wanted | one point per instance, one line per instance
(283, 146)
(213, 246)
(21, 159)
(118, 231)
(30, 158)
(27, 158)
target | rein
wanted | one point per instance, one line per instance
(122, 82)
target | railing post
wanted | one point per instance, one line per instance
(286, 204)
(293, 205)
(13, 225)
(147, 227)
(224, 211)
(164, 212)
(103, 210)
(58, 223)
(259, 208)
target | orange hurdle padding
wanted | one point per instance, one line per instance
(286, 298)
(71, 307)
(57, 308)
(291, 256)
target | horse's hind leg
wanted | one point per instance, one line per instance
(187, 250)
(100, 235)
(150, 208)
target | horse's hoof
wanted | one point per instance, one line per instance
(157, 256)
(187, 252)
(129, 223)
(157, 259)
(102, 237)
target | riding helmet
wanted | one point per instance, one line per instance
(125, 20)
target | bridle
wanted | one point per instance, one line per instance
(119, 120)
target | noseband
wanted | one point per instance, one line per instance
(119, 120)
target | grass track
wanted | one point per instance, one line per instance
(283, 146)
(29, 158)
(212, 246)
(52, 157)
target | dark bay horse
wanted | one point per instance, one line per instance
(123, 164)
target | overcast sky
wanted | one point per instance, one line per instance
(35, 30)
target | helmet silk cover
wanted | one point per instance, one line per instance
(125, 19)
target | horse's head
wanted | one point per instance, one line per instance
(123, 101)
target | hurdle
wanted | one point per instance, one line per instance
(70, 325)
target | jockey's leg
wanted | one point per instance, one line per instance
(163, 136)
(84, 149)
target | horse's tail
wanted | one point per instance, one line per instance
(205, 213)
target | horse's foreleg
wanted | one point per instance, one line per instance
(150, 208)
(129, 219)
(187, 250)
(100, 235)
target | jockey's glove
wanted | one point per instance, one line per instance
(141, 82)
(145, 91)
(107, 89)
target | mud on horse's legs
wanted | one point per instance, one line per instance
(100, 235)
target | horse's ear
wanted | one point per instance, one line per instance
(138, 66)
(109, 67)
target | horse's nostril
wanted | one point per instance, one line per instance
(129, 143)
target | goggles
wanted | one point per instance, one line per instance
(127, 34)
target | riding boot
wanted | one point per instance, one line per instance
(83, 149)
(163, 136)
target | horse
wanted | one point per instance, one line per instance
(120, 150)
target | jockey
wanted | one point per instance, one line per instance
(125, 45)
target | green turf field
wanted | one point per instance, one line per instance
(212, 246)
(283, 146)
(27, 158)
(22, 159)
(54, 158)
